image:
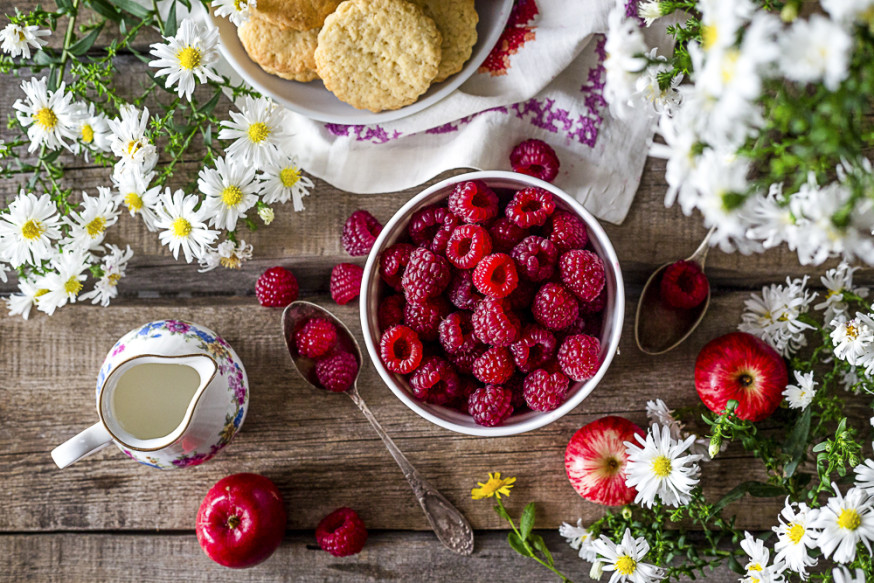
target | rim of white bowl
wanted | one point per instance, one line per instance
(517, 423)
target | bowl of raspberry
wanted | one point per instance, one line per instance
(492, 303)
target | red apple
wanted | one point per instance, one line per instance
(241, 521)
(595, 460)
(741, 367)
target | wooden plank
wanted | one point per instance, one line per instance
(388, 556)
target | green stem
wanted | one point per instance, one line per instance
(528, 548)
(68, 39)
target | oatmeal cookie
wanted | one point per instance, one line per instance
(286, 53)
(456, 20)
(296, 14)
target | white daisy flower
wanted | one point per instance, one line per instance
(20, 304)
(114, 265)
(258, 131)
(187, 56)
(794, 537)
(237, 11)
(625, 559)
(680, 152)
(865, 476)
(648, 88)
(843, 575)
(837, 281)
(650, 11)
(132, 190)
(27, 228)
(230, 189)
(580, 539)
(843, 523)
(88, 226)
(65, 283)
(282, 180)
(129, 141)
(49, 116)
(626, 50)
(228, 254)
(850, 380)
(721, 21)
(182, 226)
(17, 40)
(801, 395)
(770, 219)
(847, 11)
(774, 315)
(854, 339)
(758, 569)
(816, 49)
(658, 468)
(658, 413)
(92, 130)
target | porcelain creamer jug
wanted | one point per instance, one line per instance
(170, 394)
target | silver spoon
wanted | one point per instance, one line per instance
(450, 525)
(658, 327)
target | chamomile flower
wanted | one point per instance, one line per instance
(92, 130)
(865, 476)
(679, 150)
(49, 116)
(854, 340)
(17, 40)
(658, 467)
(837, 281)
(230, 189)
(113, 265)
(649, 89)
(129, 141)
(847, 11)
(794, 537)
(650, 11)
(27, 230)
(658, 413)
(843, 522)
(132, 190)
(580, 539)
(21, 303)
(228, 254)
(88, 225)
(237, 11)
(758, 569)
(774, 316)
(187, 56)
(625, 560)
(181, 226)
(258, 131)
(626, 59)
(816, 49)
(64, 283)
(282, 180)
(799, 396)
(843, 575)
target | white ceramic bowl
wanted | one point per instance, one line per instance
(315, 102)
(373, 289)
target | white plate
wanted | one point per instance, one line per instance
(314, 101)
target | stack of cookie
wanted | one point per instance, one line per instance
(372, 54)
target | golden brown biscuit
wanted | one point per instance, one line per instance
(378, 54)
(296, 14)
(456, 20)
(286, 53)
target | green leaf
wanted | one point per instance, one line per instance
(105, 9)
(84, 44)
(210, 105)
(753, 488)
(526, 523)
(796, 443)
(133, 8)
(170, 21)
(540, 545)
(502, 512)
(51, 156)
(516, 544)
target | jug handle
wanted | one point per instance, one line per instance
(89, 441)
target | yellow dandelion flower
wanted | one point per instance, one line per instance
(493, 488)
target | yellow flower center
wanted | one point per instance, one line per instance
(626, 565)
(87, 134)
(40, 292)
(289, 176)
(710, 35)
(21, 37)
(189, 58)
(661, 466)
(113, 278)
(239, 5)
(73, 286)
(258, 132)
(832, 293)
(849, 519)
(796, 531)
(232, 262)
(133, 201)
(232, 195)
(46, 118)
(729, 66)
(181, 227)
(95, 227)
(754, 567)
(852, 332)
(32, 230)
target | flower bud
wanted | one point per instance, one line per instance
(266, 214)
(789, 13)
(715, 445)
(626, 513)
(596, 571)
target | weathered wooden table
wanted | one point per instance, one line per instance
(109, 519)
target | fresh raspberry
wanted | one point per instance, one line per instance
(315, 338)
(684, 285)
(530, 207)
(427, 274)
(276, 288)
(456, 332)
(535, 258)
(494, 367)
(494, 323)
(337, 372)
(360, 233)
(391, 311)
(341, 533)
(400, 349)
(583, 273)
(473, 202)
(579, 326)
(505, 234)
(578, 356)
(535, 347)
(463, 359)
(431, 227)
(521, 297)
(468, 244)
(346, 282)
(535, 158)
(490, 405)
(435, 381)
(393, 262)
(424, 317)
(554, 306)
(545, 391)
(495, 276)
(596, 306)
(567, 231)
(461, 291)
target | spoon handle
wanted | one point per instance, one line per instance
(450, 525)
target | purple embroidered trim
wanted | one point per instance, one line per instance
(374, 134)
(454, 125)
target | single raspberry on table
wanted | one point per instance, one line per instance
(684, 285)
(566, 231)
(554, 306)
(595, 306)
(578, 356)
(535, 158)
(427, 274)
(400, 350)
(461, 291)
(431, 226)
(276, 288)
(393, 262)
(463, 359)
(530, 207)
(495, 276)
(456, 332)
(490, 405)
(467, 245)
(506, 234)
(494, 367)
(545, 391)
(535, 347)
(337, 372)
(424, 317)
(583, 273)
(360, 233)
(346, 282)
(341, 533)
(435, 381)
(473, 202)
(494, 323)
(535, 258)
(315, 338)
(391, 311)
